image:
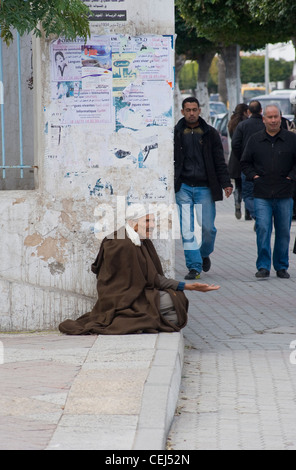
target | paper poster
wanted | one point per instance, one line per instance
(107, 10)
(65, 61)
(121, 89)
(84, 92)
(118, 80)
(123, 73)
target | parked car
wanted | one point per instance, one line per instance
(214, 97)
(220, 121)
(217, 107)
(286, 91)
(282, 99)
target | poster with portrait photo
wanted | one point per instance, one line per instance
(66, 61)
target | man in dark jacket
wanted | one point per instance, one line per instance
(239, 141)
(200, 175)
(269, 160)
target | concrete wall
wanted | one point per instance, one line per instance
(51, 235)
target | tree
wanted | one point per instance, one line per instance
(199, 49)
(68, 18)
(229, 23)
(283, 13)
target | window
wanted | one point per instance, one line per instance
(16, 115)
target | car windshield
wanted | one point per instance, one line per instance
(283, 103)
(250, 94)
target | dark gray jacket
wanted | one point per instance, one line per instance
(273, 162)
(213, 154)
(243, 132)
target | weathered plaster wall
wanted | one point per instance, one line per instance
(48, 238)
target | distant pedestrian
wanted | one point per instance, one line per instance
(239, 141)
(291, 126)
(200, 175)
(269, 160)
(241, 113)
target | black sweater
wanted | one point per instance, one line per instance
(213, 156)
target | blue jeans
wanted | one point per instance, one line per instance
(198, 239)
(268, 212)
(247, 195)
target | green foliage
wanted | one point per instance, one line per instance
(68, 18)
(252, 69)
(281, 13)
(228, 22)
(265, 10)
(188, 75)
(188, 42)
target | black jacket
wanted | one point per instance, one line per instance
(243, 132)
(212, 149)
(273, 162)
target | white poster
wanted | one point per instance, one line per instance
(118, 80)
(107, 10)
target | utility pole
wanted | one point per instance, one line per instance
(238, 76)
(266, 70)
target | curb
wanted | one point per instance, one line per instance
(160, 394)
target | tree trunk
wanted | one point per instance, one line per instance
(201, 92)
(229, 56)
(222, 88)
(294, 66)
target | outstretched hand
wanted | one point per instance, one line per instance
(228, 191)
(201, 287)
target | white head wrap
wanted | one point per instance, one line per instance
(136, 211)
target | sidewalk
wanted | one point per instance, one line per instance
(88, 393)
(239, 378)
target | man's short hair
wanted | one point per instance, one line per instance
(272, 105)
(255, 107)
(190, 99)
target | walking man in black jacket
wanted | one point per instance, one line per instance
(269, 160)
(239, 141)
(200, 175)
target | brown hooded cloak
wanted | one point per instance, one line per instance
(128, 292)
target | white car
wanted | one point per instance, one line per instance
(282, 99)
